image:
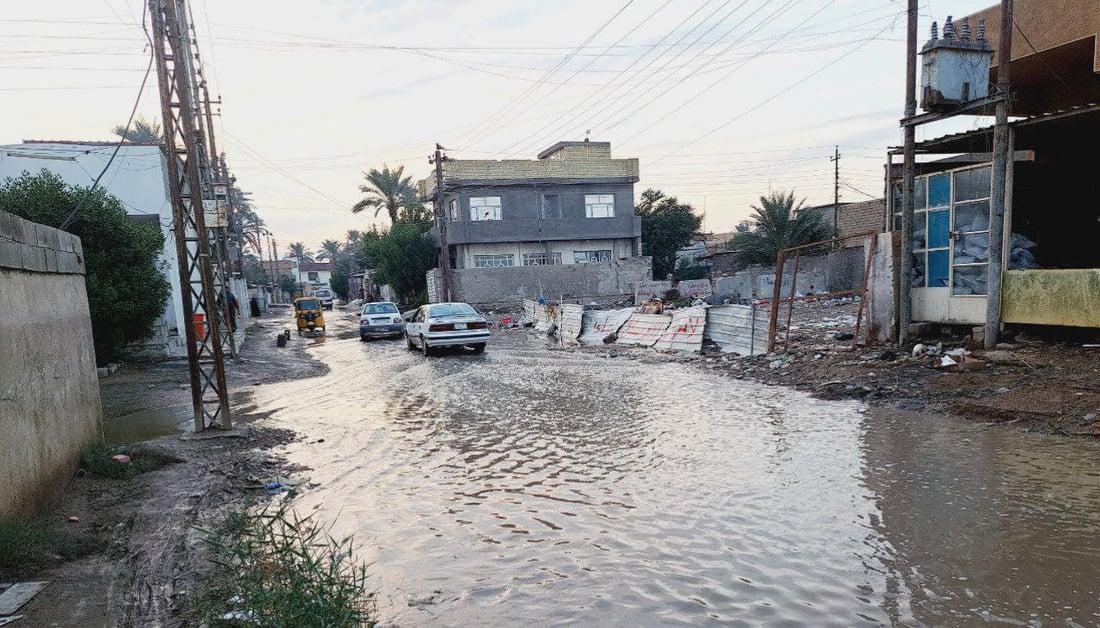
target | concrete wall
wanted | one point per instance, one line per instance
(138, 178)
(620, 249)
(49, 394)
(602, 283)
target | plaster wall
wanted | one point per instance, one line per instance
(49, 393)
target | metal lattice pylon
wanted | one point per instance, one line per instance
(189, 185)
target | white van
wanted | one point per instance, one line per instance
(326, 297)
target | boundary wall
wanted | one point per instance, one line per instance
(49, 393)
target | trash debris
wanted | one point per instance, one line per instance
(74, 519)
(958, 364)
(121, 459)
(19, 594)
(843, 335)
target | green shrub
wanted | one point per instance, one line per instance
(275, 568)
(30, 546)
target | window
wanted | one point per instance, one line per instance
(599, 205)
(494, 261)
(454, 209)
(541, 259)
(451, 309)
(313, 276)
(550, 206)
(591, 257)
(485, 208)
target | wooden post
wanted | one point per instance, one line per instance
(790, 300)
(909, 164)
(773, 319)
(863, 295)
(995, 270)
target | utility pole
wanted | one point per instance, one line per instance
(183, 147)
(836, 188)
(999, 175)
(909, 165)
(441, 220)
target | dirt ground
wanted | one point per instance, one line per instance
(152, 552)
(1041, 380)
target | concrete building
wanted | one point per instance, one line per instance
(315, 274)
(573, 205)
(1051, 273)
(138, 178)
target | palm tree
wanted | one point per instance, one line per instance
(300, 252)
(387, 190)
(141, 132)
(330, 249)
(775, 225)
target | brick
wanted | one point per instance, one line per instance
(11, 254)
(34, 258)
(66, 241)
(47, 237)
(69, 263)
(13, 229)
(78, 248)
(51, 260)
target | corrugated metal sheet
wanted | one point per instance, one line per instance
(685, 332)
(529, 309)
(734, 330)
(597, 324)
(570, 323)
(643, 329)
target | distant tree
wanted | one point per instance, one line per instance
(686, 270)
(339, 282)
(389, 190)
(301, 253)
(744, 226)
(777, 224)
(330, 250)
(667, 226)
(141, 131)
(127, 292)
(403, 256)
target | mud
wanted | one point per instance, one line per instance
(153, 555)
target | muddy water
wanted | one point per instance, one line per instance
(546, 487)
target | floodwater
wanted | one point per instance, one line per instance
(529, 486)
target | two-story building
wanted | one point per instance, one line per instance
(571, 207)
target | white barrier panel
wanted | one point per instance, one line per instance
(570, 323)
(545, 317)
(643, 329)
(644, 290)
(685, 332)
(529, 310)
(741, 329)
(597, 324)
(694, 288)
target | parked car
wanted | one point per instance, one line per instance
(380, 320)
(325, 295)
(446, 325)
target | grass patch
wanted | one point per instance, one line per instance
(29, 546)
(97, 460)
(275, 568)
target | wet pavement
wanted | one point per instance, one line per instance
(549, 487)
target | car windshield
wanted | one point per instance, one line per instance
(322, 293)
(380, 308)
(451, 309)
(309, 304)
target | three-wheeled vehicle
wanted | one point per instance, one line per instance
(307, 312)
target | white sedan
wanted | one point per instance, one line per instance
(446, 325)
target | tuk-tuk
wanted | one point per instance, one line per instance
(307, 312)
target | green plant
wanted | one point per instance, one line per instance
(777, 224)
(29, 546)
(275, 568)
(402, 256)
(97, 460)
(390, 190)
(667, 226)
(127, 292)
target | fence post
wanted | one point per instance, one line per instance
(773, 319)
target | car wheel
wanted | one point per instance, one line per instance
(425, 348)
(362, 337)
(409, 343)
(478, 348)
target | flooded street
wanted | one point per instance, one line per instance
(550, 487)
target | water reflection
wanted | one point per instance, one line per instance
(527, 486)
(986, 523)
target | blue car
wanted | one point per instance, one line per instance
(380, 320)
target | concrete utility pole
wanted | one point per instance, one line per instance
(441, 220)
(909, 165)
(184, 149)
(836, 189)
(999, 176)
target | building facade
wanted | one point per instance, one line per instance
(573, 205)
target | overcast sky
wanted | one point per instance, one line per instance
(721, 100)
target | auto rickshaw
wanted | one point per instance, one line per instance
(307, 312)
